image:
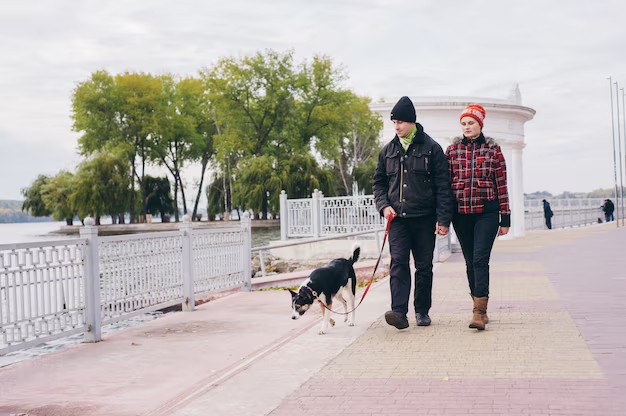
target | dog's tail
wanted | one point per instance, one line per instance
(356, 251)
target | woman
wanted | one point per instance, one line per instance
(478, 174)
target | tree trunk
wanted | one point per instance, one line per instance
(175, 200)
(182, 194)
(132, 191)
(121, 219)
(205, 162)
(98, 220)
(69, 221)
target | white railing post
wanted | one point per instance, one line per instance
(246, 255)
(93, 331)
(189, 301)
(284, 216)
(316, 213)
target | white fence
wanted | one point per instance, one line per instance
(567, 213)
(53, 289)
(321, 216)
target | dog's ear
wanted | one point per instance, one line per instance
(293, 294)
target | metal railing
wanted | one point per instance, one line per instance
(53, 289)
(567, 213)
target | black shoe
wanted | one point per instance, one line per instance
(396, 319)
(422, 319)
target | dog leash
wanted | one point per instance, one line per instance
(389, 219)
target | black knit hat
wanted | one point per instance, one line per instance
(404, 110)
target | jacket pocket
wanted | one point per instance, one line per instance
(392, 163)
(485, 189)
(419, 163)
(458, 189)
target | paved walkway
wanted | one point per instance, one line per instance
(556, 345)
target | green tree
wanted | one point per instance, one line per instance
(56, 194)
(102, 185)
(354, 142)
(123, 110)
(33, 201)
(158, 196)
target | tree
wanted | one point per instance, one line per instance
(120, 109)
(158, 197)
(185, 132)
(33, 201)
(56, 194)
(253, 99)
(102, 184)
(353, 143)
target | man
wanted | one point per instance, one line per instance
(412, 185)
(547, 214)
(608, 209)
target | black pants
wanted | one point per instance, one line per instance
(415, 235)
(477, 233)
(549, 222)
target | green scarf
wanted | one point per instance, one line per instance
(406, 141)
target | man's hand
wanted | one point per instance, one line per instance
(503, 231)
(441, 230)
(387, 211)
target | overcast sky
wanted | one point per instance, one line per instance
(560, 52)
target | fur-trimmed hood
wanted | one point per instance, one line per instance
(490, 141)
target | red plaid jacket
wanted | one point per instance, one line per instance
(478, 174)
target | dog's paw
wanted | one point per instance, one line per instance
(332, 322)
(345, 318)
(321, 332)
(350, 323)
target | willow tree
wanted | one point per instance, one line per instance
(56, 194)
(33, 201)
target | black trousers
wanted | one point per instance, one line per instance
(549, 222)
(477, 233)
(416, 235)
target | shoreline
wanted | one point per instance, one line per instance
(113, 229)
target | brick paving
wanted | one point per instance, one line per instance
(556, 343)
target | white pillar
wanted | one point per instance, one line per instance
(93, 320)
(284, 216)
(517, 175)
(189, 301)
(508, 158)
(246, 228)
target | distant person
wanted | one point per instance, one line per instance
(608, 209)
(478, 173)
(547, 214)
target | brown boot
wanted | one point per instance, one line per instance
(485, 317)
(480, 309)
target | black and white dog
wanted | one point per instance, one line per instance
(328, 283)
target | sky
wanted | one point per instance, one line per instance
(559, 52)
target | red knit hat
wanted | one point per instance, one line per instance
(476, 111)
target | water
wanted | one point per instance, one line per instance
(25, 232)
(39, 231)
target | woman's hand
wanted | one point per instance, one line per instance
(503, 231)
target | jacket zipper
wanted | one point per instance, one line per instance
(471, 175)
(401, 177)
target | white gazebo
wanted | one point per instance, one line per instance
(504, 122)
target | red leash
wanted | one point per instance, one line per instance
(373, 273)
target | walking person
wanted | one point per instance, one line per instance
(412, 185)
(478, 174)
(608, 209)
(547, 214)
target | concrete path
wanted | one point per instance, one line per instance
(556, 345)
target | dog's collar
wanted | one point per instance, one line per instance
(314, 293)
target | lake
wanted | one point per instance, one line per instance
(38, 231)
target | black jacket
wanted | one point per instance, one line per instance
(415, 183)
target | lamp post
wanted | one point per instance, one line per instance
(614, 158)
(621, 175)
